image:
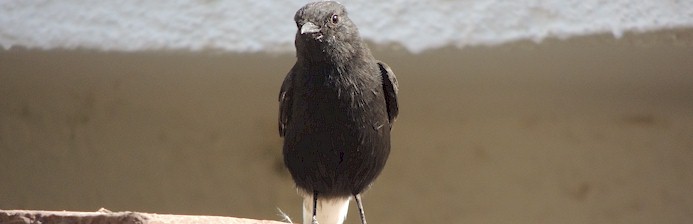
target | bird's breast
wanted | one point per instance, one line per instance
(335, 100)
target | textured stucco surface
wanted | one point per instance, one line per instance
(251, 26)
(104, 216)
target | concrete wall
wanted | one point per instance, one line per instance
(585, 130)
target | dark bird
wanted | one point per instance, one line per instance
(337, 105)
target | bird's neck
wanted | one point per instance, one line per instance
(334, 56)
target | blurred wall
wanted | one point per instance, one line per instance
(584, 130)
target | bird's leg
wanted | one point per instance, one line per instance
(315, 207)
(360, 206)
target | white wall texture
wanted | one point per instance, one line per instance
(252, 26)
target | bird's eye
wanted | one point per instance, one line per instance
(334, 19)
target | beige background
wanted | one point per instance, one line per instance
(587, 130)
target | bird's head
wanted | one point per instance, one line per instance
(323, 28)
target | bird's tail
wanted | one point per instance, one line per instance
(330, 211)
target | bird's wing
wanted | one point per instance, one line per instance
(390, 88)
(285, 101)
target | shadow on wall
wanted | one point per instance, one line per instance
(588, 130)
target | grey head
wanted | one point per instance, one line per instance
(324, 31)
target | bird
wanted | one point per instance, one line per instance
(337, 105)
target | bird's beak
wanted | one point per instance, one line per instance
(309, 28)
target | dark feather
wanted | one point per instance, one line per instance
(285, 96)
(390, 88)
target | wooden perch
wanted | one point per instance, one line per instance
(104, 216)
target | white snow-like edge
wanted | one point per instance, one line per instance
(258, 26)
